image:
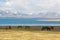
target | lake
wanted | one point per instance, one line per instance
(28, 21)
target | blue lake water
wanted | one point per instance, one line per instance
(27, 21)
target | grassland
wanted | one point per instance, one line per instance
(29, 35)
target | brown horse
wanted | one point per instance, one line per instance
(19, 27)
(27, 27)
(8, 27)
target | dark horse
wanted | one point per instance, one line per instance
(47, 28)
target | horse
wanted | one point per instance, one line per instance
(27, 27)
(8, 27)
(47, 28)
(19, 27)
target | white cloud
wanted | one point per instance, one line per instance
(8, 3)
(32, 8)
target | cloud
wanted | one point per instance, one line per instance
(30, 8)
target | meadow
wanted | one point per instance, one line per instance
(18, 34)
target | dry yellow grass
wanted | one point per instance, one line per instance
(29, 35)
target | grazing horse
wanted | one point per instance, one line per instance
(19, 27)
(27, 27)
(8, 27)
(47, 28)
(52, 27)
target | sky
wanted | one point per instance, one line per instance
(30, 8)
